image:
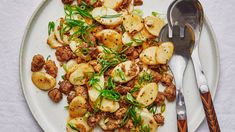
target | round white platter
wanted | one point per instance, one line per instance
(52, 117)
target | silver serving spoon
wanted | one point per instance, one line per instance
(178, 63)
(190, 12)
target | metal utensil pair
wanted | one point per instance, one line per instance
(186, 15)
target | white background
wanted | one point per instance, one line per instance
(14, 15)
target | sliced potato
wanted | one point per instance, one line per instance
(43, 80)
(66, 39)
(78, 76)
(132, 23)
(78, 124)
(154, 25)
(69, 70)
(94, 91)
(109, 105)
(147, 119)
(148, 55)
(102, 124)
(77, 107)
(70, 64)
(144, 34)
(74, 45)
(114, 4)
(99, 14)
(164, 52)
(147, 94)
(57, 30)
(125, 71)
(111, 39)
(52, 41)
(128, 40)
(131, 7)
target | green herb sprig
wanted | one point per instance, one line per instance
(130, 99)
(51, 27)
(110, 94)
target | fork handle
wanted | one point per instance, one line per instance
(182, 125)
(210, 112)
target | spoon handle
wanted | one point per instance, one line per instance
(210, 112)
(182, 125)
(181, 112)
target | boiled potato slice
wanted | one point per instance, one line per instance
(128, 40)
(111, 39)
(74, 46)
(147, 94)
(70, 64)
(100, 14)
(77, 107)
(43, 80)
(57, 30)
(78, 124)
(102, 124)
(52, 41)
(109, 105)
(138, 39)
(164, 52)
(147, 118)
(144, 34)
(70, 69)
(125, 71)
(154, 25)
(114, 4)
(148, 55)
(94, 91)
(78, 76)
(132, 23)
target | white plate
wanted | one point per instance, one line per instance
(52, 117)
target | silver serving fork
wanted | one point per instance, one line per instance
(183, 41)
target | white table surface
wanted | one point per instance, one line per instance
(14, 15)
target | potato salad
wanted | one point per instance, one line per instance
(113, 65)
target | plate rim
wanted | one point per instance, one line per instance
(29, 102)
